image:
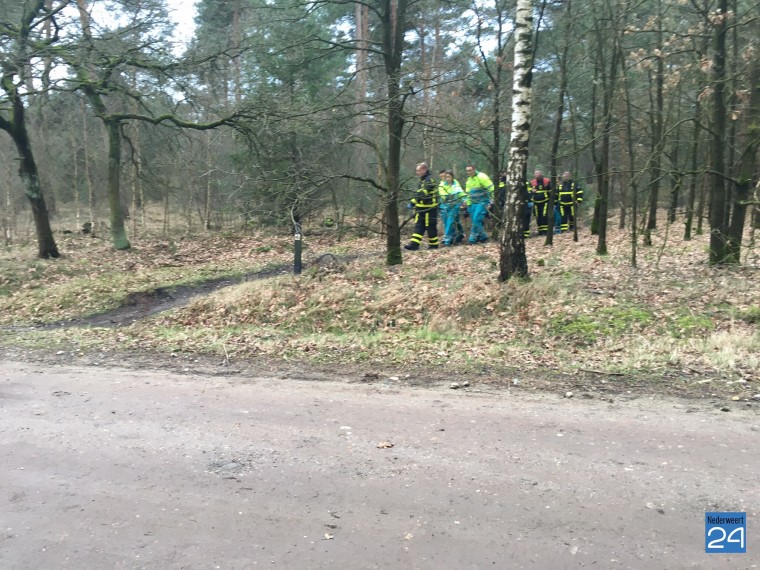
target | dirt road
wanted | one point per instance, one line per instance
(116, 468)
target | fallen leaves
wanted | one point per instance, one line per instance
(440, 308)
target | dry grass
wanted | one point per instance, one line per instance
(578, 311)
(90, 277)
(673, 315)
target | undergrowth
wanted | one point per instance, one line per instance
(577, 311)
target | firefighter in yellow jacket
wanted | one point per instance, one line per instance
(539, 189)
(569, 195)
(425, 204)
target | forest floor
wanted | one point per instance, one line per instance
(583, 325)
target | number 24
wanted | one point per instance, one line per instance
(716, 543)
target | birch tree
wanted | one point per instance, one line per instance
(495, 71)
(512, 258)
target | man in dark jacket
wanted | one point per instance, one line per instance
(425, 204)
(539, 189)
(570, 193)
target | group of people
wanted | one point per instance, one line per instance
(445, 197)
(568, 196)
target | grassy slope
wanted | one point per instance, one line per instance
(673, 317)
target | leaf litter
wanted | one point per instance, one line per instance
(673, 320)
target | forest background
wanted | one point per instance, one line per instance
(311, 115)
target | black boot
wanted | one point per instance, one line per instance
(412, 246)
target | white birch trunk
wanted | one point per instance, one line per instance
(513, 261)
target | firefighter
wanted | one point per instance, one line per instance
(425, 204)
(570, 194)
(539, 189)
(527, 213)
(478, 198)
(450, 196)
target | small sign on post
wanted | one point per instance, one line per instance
(297, 250)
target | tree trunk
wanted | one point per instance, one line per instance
(675, 194)
(732, 106)
(432, 108)
(632, 168)
(236, 67)
(165, 226)
(118, 230)
(362, 43)
(747, 165)
(609, 82)
(75, 178)
(676, 175)
(657, 133)
(46, 246)
(138, 191)
(626, 178)
(701, 204)
(87, 169)
(512, 258)
(426, 96)
(113, 132)
(138, 202)
(719, 239)
(9, 217)
(691, 200)
(209, 197)
(558, 119)
(576, 152)
(395, 127)
(394, 25)
(634, 186)
(594, 148)
(16, 128)
(492, 63)
(16, 71)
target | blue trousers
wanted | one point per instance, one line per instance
(477, 215)
(452, 229)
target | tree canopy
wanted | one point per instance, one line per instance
(322, 109)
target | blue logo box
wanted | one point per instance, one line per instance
(725, 533)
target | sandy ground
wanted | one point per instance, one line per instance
(119, 468)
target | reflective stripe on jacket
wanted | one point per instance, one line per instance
(567, 190)
(426, 198)
(539, 190)
(450, 193)
(479, 189)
